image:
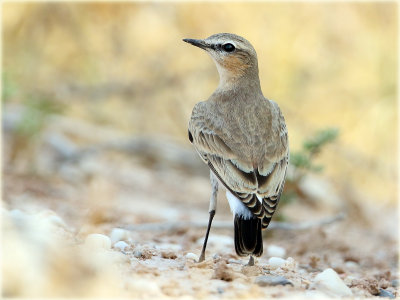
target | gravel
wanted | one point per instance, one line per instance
(386, 294)
(270, 280)
(121, 245)
(276, 262)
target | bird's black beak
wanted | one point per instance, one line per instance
(198, 43)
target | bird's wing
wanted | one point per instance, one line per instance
(271, 184)
(237, 175)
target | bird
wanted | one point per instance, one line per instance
(243, 138)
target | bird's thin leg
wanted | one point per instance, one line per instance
(251, 261)
(211, 210)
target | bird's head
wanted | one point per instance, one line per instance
(233, 55)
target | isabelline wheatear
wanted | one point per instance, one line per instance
(243, 139)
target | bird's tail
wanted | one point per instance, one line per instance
(248, 238)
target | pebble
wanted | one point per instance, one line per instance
(329, 282)
(276, 262)
(167, 254)
(386, 294)
(276, 251)
(192, 256)
(395, 282)
(269, 280)
(351, 265)
(223, 272)
(137, 254)
(118, 234)
(98, 241)
(121, 245)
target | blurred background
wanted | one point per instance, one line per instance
(96, 100)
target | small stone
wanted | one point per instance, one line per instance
(118, 234)
(98, 241)
(143, 253)
(223, 272)
(276, 262)
(168, 254)
(137, 254)
(276, 251)
(386, 294)
(121, 245)
(192, 256)
(351, 265)
(216, 256)
(329, 282)
(395, 282)
(269, 280)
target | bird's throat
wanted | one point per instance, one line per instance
(235, 78)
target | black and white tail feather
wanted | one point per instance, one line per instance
(248, 238)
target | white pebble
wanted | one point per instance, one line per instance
(98, 241)
(121, 245)
(192, 256)
(276, 262)
(351, 265)
(276, 251)
(118, 234)
(329, 282)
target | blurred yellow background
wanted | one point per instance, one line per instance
(124, 65)
(96, 99)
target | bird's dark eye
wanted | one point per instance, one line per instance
(228, 47)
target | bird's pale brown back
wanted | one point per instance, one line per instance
(244, 137)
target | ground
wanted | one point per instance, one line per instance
(48, 222)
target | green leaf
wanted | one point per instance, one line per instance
(321, 138)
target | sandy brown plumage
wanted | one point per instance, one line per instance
(244, 140)
(242, 137)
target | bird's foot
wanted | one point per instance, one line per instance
(202, 258)
(251, 261)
